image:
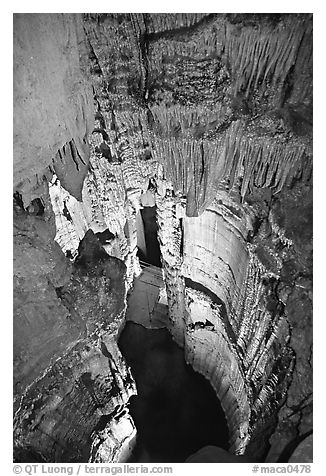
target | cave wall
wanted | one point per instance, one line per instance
(249, 329)
(240, 327)
(53, 104)
(218, 109)
(68, 373)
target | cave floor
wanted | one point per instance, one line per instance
(145, 306)
(176, 411)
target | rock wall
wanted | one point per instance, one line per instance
(68, 372)
(217, 108)
(170, 239)
(248, 336)
(70, 381)
(238, 326)
(53, 105)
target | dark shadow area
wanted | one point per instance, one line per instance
(153, 255)
(176, 411)
(27, 455)
(291, 446)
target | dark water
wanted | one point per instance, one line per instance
(176, 411)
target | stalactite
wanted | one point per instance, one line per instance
(203, 103)
(162, 22)
(258, 54)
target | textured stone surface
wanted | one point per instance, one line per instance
(295, 292)
(59, 414)
(41, 325)
(115, 442)
(66, 317)
(303, 452)
(218, 108)
(53, 108)
(230, 337)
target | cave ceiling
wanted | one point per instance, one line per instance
(214, 111)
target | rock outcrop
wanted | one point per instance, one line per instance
(69, 373)
(70, 381)
(216, 109)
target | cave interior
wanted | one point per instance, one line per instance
(162, 227)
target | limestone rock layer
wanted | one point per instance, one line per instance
(53, 105)
(216, 111)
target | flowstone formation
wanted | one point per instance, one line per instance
(214, 112)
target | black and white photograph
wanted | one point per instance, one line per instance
(162, 241)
